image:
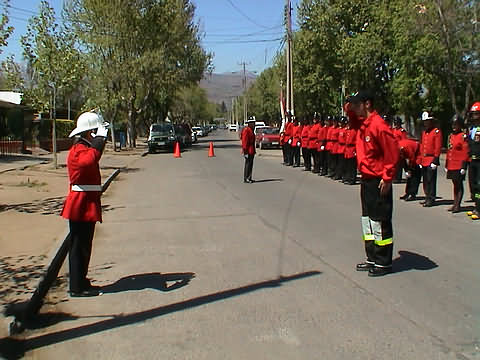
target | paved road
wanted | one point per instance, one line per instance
(199, 265)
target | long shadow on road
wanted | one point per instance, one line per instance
(15, 348)
(412, 261)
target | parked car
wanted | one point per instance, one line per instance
(232, 127)
(268, 137)
(161, 136)
(198, 130)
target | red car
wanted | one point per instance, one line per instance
(267, 137)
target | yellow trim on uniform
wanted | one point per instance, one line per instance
(368, 237)
(384, 242)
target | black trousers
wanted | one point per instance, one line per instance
(316, 160)
(323, 161)
(429, 184)
(350, 174)
(332, 164)
(413, 182)
(289, 152)
(399, 173)
(307, 158)
(284, 154)
(296, 155)
(377, 223)
(81, 238)
(340, 168)
(475, 176)
(248, 168)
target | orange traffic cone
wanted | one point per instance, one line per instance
(176, 152)
(210, 151)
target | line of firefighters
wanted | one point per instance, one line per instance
(328, 148)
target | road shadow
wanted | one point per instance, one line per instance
(155, 281)
(443, 202)
(266, 180)
(408, 260)
(47, 206)
(16, 348)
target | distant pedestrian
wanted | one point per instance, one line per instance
(409, 159)
(248, 149)
(82, 207)
(377, 157)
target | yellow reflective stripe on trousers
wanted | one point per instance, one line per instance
(384, 242)
(367, 229)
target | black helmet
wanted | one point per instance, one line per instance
(458, 119)
(397, 120)
(344, 120)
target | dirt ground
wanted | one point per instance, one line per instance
(31, 226)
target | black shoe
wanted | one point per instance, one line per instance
(404, 197)
(365, 266)
(428, 204)
(250, 181)
(92, 291)
(379, 271)
(411, 198)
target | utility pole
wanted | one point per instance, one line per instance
(244, 64)
(54, 125)
(289, 56)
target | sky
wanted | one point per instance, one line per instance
(235, 31)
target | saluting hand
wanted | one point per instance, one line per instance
(384, 187)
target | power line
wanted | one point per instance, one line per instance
(245, 15)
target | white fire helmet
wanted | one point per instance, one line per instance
(89, 120)
(426, 116)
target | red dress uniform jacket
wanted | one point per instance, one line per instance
(411, 152)
(288, 132)
(312, 136)
(342, 134)
(331, 138)
(83, 169)
(322, 138)
(377, 149)
(305, 136)
(248, 141)
(399, 133)
(297, 135)
(431, 147)
(457, 153)
(334, 140)
(350, 140)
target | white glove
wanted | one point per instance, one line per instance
(420, 166)
(102, 131)
(245, 156)
(433, 166)
(290, 141)
(298, 143)
(462, 171)
(322, 147)
(408, 174)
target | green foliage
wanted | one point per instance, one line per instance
(191, 105)
(263, 97)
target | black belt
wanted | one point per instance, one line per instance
(428, 155)
(350, 145)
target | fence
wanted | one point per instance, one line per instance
(8, 146)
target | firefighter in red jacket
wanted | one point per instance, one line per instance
(312, 143)
(288, 138)
(332, 138)
(430, 149)
(322, 148)
(377, 157)
(474, 169)
(350, 174)
(457, 161)
(306, 153)
(400, 134)
(248, 149)
(296, 142)
(82, 206)
(410, 158)
(340, 150)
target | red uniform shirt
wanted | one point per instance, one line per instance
(350, 141)
(399, 133)
(322, 138)
(248, 141)
(342, 133)
(332, 137)
(297, 135)
(377, 149)
(312, 136)
(411, 152)
(83, 169)
(457, 153)
(431, 147)
(288, 134)
(305, 135)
